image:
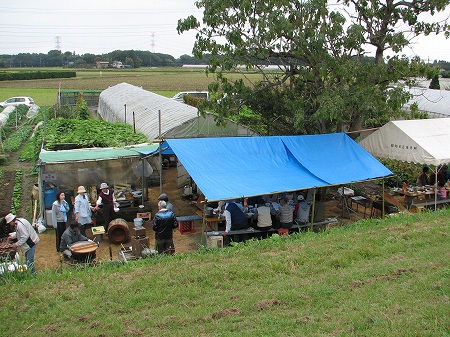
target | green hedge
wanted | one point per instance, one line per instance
(34, 75)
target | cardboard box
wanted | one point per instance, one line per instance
(214, 241)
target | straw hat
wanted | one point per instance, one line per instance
(103, 185)
(81, 189)
(9, 218)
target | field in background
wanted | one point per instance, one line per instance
(163, 81)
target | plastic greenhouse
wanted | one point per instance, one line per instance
(130, 104)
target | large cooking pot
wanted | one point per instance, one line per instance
(84, 250)
(209, 211)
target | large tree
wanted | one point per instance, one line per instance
(323, 82)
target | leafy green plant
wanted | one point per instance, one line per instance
(82, 109)
(88, 133)
(404, 172)
(14, 142)
(16, 202)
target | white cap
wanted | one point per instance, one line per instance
(103, 185)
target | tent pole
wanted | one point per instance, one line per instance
(313, 210)
(204, 223)
(160, 155)
(382, 200)
(435, 187)
(142, 180)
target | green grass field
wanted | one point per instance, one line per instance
(163, 81)
(373, 278)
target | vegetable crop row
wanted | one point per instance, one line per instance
(14, 142)
(16, 202)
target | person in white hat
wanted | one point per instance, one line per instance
(26, 236)
(107, 199)
(83, 210)
(302, 210)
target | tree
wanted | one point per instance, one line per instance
(434, 84)
(379, 19)
(322, 82)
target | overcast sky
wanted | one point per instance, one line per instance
(101, 26)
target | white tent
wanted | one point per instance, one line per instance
(127, 103)
(422, 141)
(436, 103)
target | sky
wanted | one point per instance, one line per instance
(102, 26)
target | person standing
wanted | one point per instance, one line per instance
(60, 209)
(165, 198)
(83, 210)
(164, 223)
(27, 238)
(107, 200)
(422, 179)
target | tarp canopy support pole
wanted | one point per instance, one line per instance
(313, 208)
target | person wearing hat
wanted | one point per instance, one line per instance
(69, 237)
(83, 210)
(302, 210)
(165, 198)
(26, 236)
(107, 200)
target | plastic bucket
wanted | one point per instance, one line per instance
(138, 222)
(118, 231)
(49, 197)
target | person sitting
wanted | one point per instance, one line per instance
(423, 180)
(69, 237)
(442, 191)
(302, 210)
(286, 214)
(234, 217)
(264, 213)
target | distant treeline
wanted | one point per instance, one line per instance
(129, 58)
(133, 58)
(34, 75)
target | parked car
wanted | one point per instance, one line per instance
(14, 101)
(200, 94)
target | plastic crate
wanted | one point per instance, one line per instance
(186, 226)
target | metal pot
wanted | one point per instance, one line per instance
(209, 211)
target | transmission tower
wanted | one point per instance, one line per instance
(58, 43)
(153, 42)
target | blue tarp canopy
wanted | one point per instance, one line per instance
(233, 167)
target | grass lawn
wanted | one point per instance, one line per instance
(372, 278)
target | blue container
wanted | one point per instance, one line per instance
(49, 197)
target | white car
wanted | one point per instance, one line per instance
(200, 94)
(15, 101)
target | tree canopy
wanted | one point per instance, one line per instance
(323, 81)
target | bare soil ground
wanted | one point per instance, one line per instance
(48, 257)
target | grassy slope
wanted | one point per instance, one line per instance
(373, 278)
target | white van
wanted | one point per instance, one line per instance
(200, 94)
